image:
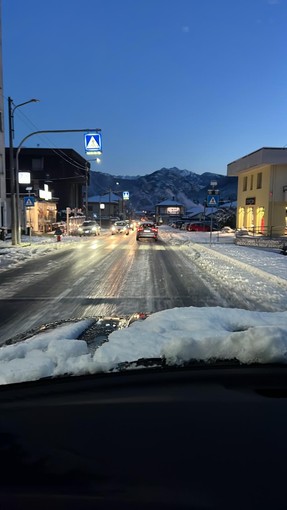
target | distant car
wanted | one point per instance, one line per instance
(120, 227)
(147, 230)
(89, 228)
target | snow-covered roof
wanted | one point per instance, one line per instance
(104, 199)
(170, 203)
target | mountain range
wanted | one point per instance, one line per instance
(146, 191)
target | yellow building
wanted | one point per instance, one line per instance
(262, 191)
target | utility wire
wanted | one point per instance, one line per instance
(59, 152)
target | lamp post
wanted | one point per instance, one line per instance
(14, 185)
(97, 160)
(17, 159)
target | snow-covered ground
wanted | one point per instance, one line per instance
(178, 334)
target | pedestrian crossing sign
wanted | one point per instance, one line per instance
(29, 201)
(212, 200)
(93, 143)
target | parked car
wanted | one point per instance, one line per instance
(147, 230)
(120, 227)
(89, 228)
(200, 226)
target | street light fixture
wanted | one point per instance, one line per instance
(14, 184)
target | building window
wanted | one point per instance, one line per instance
(37, 164)
(259, 180)
(251, 182)
(245, 183)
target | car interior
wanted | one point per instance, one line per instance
(200, 437)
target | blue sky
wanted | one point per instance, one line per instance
(192, 84)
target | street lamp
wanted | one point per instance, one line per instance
(18, 152)
(14, 184)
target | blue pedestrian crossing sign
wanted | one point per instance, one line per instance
(93, 143)
(212, 200)
(29, 201)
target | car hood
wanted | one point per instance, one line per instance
(173, 337)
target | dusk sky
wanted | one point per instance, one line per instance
(192, 84)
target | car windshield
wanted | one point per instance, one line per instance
(160, 126)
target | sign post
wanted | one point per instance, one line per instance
(212, 201)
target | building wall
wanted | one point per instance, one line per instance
(261, 202)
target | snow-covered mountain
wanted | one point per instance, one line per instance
(167, 183)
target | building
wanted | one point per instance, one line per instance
(262, 191)
(106, 207)
(168, 210)
(59, 179)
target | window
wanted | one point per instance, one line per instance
(37, 164)
(251, 182)
(259, 180)
(245, 183)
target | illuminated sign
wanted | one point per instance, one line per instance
(24, 178)
(93, 143)
(45, 193)
(173, 210)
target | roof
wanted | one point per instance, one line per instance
(104, 199)
(170, 203)
(261, 157)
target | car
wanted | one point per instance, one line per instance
(120, 227)
(200, 226)
(89, 228)
(147, 230)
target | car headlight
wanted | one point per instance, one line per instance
(80, 229)
(113, 228)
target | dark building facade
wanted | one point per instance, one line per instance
(63, 172)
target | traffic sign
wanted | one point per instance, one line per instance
(126, 195)
(93, 143)
(29, 201)
(212, 200)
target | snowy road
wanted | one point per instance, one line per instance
(113, 275)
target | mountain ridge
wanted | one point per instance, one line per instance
(166, 183)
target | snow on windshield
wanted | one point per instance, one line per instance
(179, 335)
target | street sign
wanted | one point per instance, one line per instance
(93, 143)
(29, 201)
(212, 200)
(126, 195)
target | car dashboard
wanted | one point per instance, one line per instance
(198, 438)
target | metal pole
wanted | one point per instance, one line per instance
(109, 206)
(86, 192)
(20, 147)
(12, 175)
(15, 221)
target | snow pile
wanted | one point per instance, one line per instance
(182, 334)
(46, 354)
(179, 334)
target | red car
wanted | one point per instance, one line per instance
(198, 227)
